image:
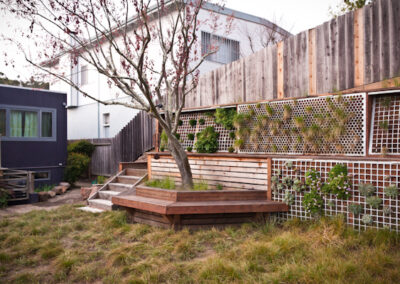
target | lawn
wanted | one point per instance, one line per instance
(68, 245)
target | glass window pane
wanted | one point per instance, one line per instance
(2, 122)
(23, 123)
(47, 124)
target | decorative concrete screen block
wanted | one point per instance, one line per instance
(385, 125)
(309, 125)
(224, 141)
(379, 174)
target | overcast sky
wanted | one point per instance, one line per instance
(293, 15)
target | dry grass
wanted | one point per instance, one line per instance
(67, 245)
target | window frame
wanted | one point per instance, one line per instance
(42, 179)
(39, 111)
(84, 74)
(213, 57)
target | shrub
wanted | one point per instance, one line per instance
(366, 189)
(231, 149)
(200, 186)
(313, 180)
(178, 136)
(313, 203)
(189, 149)
(225, 117)
(46, 187)
(4, 195)
(207, 141)
(166, 183)
(190, 136)
(391, 191)
(374, 201)
(355, 209)
(232, 135)
(202, 121)
(289, 197)
(219, 186)
(298, 185)
(192, 122)
(180, 122)
(367, 219)
(77, 164)
(164, 141)
(338, 182)
(101, 180)
(82, 147)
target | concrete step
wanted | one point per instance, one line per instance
(101, 204)
(135, 172)
(108, 194)
(121, 187)
(90, 209)
(128, 179)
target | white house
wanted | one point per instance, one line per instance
(89, 119)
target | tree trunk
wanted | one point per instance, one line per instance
(182, 161)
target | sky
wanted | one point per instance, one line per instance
(293, 15)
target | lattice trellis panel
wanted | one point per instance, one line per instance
(385, 125)
(379, 174)
(224, 141)
(351, 142)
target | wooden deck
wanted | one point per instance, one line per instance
(176, 209)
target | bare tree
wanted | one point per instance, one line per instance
(268, 33)
(115, 38)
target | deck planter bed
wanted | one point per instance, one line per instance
(195, 209)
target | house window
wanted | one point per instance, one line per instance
(2, 122)
(84, 74)
(47, 124)
(23, 123)
(45, 175)
(226, 50)
(106, 124)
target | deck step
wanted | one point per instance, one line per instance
(108, 194)
(135, 172)
(103, 204)
(91, 209)
(121, 187)
(128, 179)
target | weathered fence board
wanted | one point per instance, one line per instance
(128, 145)
(340, 55)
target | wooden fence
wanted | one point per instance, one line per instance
(128, 145)
(353, 50)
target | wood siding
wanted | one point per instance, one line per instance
(358, 48)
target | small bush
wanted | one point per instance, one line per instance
(190, 136)
(338, 182)
(200, 186)
(189, 149)
(374, 201)
(207, 141)
(225, 117)
(101, 180)
(180, 122)
(4, 195)
(166, 183)
(77, 164)
(192, 122)
(232, 135)
(355, 209)
(178, 136)
(219, 186)
(391, 191)
(367, 219)
(231, 149)
(366, 189)
(46, 187)
(82, 147)
(313, 203)
(202, 121)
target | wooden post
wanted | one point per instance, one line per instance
(312, 66)
(149, 166)
(157, 137)
(359, 47)
(280, 71)
(269, 175)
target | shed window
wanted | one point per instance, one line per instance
(84, 75)
(47, 124)
(226, 50)
(23, 123)
(2, 122)
(42, 175)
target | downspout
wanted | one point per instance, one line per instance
(98, 105)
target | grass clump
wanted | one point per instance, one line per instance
(200, 186)
(165, 183)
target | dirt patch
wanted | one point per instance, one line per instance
(72, 196)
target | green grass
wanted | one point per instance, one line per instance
(44, 188)
(168, 183)
(51, 247)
